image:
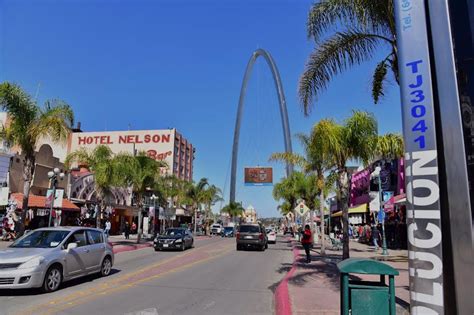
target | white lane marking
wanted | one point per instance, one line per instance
(148, 311)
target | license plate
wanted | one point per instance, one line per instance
(249, 237)
(165, 245)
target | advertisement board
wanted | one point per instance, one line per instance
(258, 176)
(58, 200)
(158, 144)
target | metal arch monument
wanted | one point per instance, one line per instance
(283, 113)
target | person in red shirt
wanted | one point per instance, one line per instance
(306, 242)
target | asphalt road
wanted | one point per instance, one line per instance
(212, 278)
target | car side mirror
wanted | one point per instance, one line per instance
(71, 246)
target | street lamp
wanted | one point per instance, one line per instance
(376, 173)
(53, 177)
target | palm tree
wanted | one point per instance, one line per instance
(233, 209)
(316, 161)
(195, 194)
(211, 196)
(139, 172)
(107, 170)
(362, 27)
(28, 123)
(353, 140)
(390, 146)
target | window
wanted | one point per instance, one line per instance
(94, 237)
(78, 237)
(249, 229)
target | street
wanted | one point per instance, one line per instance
(212, 278)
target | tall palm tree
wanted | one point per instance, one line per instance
(140, 173)
(196, 196)
(233, 209)
(28, 123)
(108, 173)
(348, 33)
(353, 140)
(316, 161)
(390, 146)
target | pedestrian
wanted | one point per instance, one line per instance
(108, 226)
(376, 237)
(127, 230)
(306, 241)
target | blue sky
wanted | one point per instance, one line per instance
(176, 63)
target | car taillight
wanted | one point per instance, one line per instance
(260, 236)
(237, 235)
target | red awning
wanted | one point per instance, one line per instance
(35, 201)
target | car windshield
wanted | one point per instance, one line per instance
(249, 229)
(172, 232)
(228, 229)
(41, 239)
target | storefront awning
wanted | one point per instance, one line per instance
(39, 202)
(352, 210)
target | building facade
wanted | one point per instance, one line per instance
(164, 145)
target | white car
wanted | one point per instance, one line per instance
(271, 235)
(216, 229)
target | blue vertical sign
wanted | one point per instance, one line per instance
(421, 159)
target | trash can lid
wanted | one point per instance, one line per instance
(366, 266)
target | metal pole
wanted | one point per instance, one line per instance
(53, 183)
(384, 241)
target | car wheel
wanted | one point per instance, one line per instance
(266, 245)
(52, 279)
(192, 244)
(182, 247)
(262, 248)
(157, 249)
(238, 247)
(106, 267)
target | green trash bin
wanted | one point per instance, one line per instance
(367, 297)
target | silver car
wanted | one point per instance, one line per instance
(46, 257)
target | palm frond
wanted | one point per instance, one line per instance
(360, 132)
(390, 146)
(367, 15)
(291, 158)
(341, 51)
(54, 120)
(378, 80)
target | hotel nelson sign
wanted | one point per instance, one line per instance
(158, 144)
(421, 160)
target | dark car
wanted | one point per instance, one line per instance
(228, 231)
(174, 238)
(251, 236)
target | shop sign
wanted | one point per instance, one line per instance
(421, 161)
(58, 200)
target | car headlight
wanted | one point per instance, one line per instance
(35, 262)
(178, 241)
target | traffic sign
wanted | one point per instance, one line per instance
(381, 216)
(301, 209)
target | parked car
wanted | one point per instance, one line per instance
(271, 235)
(251, 236)
(174, 238)
(228, 231)
(46, 257)
(216, 229)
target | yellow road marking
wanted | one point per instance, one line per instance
(115, 281)
(113, 285)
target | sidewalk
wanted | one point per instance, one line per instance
(314, 288)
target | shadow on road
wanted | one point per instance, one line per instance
(71, 283)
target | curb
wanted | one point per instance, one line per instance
(282, 294)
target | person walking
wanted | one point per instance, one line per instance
(108, 226)
(376, 237)
(127, 230)
(306, 241)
